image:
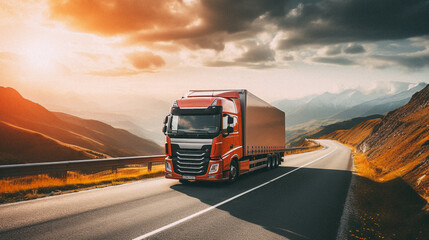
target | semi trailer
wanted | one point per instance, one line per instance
(218, 135)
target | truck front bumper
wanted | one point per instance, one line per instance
(218, 176)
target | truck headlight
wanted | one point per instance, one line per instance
(214, 168)
(167, 167)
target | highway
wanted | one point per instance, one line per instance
(302, 199)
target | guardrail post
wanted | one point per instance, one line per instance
(149, 166)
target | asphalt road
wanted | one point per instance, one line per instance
(302, 199)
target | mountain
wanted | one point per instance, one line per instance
(380, 105)
(395, 146)
(142, 121)
(306, 115)
(66, 130)
(347, 104)
(321, 107)
(288, 105)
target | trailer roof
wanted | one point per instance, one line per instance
(215, 93)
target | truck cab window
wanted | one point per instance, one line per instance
(195, 124)
(174, 123)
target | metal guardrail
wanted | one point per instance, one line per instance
(64, 166)
(299, 148)
(61, 168)
(303, 148)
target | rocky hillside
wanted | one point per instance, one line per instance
(395, 146)
(399, 144)
(25, 125)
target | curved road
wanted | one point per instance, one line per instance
(302, 199)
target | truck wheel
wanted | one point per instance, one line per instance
(269, 162)
(233, 171)
(276, 161)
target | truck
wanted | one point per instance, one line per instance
(218, 135)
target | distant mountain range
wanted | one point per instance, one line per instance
(308, 114)
(31, 133)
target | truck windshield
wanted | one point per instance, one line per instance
(195, 124)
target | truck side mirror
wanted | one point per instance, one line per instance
(166, 123)
(229, 130)
(166, 119)
(230, 120)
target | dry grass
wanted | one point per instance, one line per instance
(354, 135)
(362, 167)
(376, 170)
(29, 187)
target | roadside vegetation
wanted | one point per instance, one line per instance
(30, 187)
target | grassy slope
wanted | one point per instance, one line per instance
(19, 145)
(354, 135)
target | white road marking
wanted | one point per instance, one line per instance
(225, 201)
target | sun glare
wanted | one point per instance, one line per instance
(40, 54)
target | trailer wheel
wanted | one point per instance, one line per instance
(269, 162)
(276, 161)
(233, 171)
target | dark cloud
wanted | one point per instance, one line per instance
(334, 60)
(258, 53)
(219, 22)
(145, 60)
(330, 22)
(354, 49)
(238, 15)
(256, 56)
(409, 62)
(334, 50)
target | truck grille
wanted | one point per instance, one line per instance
(191, 161)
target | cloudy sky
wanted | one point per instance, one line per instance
(85, 54)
